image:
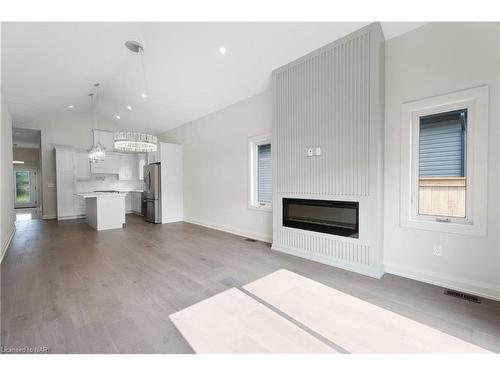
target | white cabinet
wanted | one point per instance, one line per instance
(106, 138)
(154, 157)
(65, 182)
(99, 167)
(82, 165)
(124, 165)
(79, 205)
(128, 202)
(65, 196)
(136, 202)
(133, 202)
(110, 165)
(128, 167)
(141, 161)
(113, 163)
(65, 159)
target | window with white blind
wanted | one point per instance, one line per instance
(261, 192)
(444, 157)
(442, 180)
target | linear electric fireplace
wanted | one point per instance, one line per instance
(333, 217)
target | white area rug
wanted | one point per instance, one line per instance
(309, 317)
(356, 325)
(232, 322)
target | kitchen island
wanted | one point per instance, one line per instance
(105, 210)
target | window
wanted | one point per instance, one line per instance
(442, 164)
(261, 193)
(444, 154)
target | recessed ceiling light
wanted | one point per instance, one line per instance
(144, 95)
(117, 117)
(70, 106)
(129, 108)
(222, 51)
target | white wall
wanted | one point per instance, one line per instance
(30, 156)
(70, 129)
(216, 167)
(7, 184)
(436, 59)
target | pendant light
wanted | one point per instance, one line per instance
(130, 141)
(97, 153)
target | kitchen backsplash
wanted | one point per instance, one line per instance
(109, 182)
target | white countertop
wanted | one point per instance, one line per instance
(98, 195)
(93, 194)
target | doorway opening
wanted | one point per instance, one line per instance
(27, 173)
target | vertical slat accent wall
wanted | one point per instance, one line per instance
(322, 100)
(325, 99)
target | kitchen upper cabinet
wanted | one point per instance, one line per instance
(154, 157)
(110, 165)
(82, 165)
(141, 159)
(128, 167)
(65, 161)
(106, 138)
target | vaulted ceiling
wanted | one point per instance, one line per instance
(46, 67)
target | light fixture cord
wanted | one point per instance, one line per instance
(97, 86)
(145, 82)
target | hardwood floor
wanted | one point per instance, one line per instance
(74, 290)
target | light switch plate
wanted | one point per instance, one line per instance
(317, 151)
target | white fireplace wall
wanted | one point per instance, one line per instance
(332, 98)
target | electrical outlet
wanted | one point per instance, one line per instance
(437, 250)
(317, 151)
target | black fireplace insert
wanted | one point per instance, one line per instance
(333, 217)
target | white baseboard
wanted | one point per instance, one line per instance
(71, 217)
(480, 289)
(6, 243)
(172, 220)
(49, 217)
(367, 271)
(240, 232)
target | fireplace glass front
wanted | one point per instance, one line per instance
(333, 217)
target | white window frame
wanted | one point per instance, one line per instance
(475, 100)
(253, 144)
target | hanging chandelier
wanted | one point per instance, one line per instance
(135, 142)
(97, 152)
(131, 141)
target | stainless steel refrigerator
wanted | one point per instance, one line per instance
(151, 197)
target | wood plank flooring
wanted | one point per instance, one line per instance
(74, 290)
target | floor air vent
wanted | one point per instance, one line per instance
(461, 295)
